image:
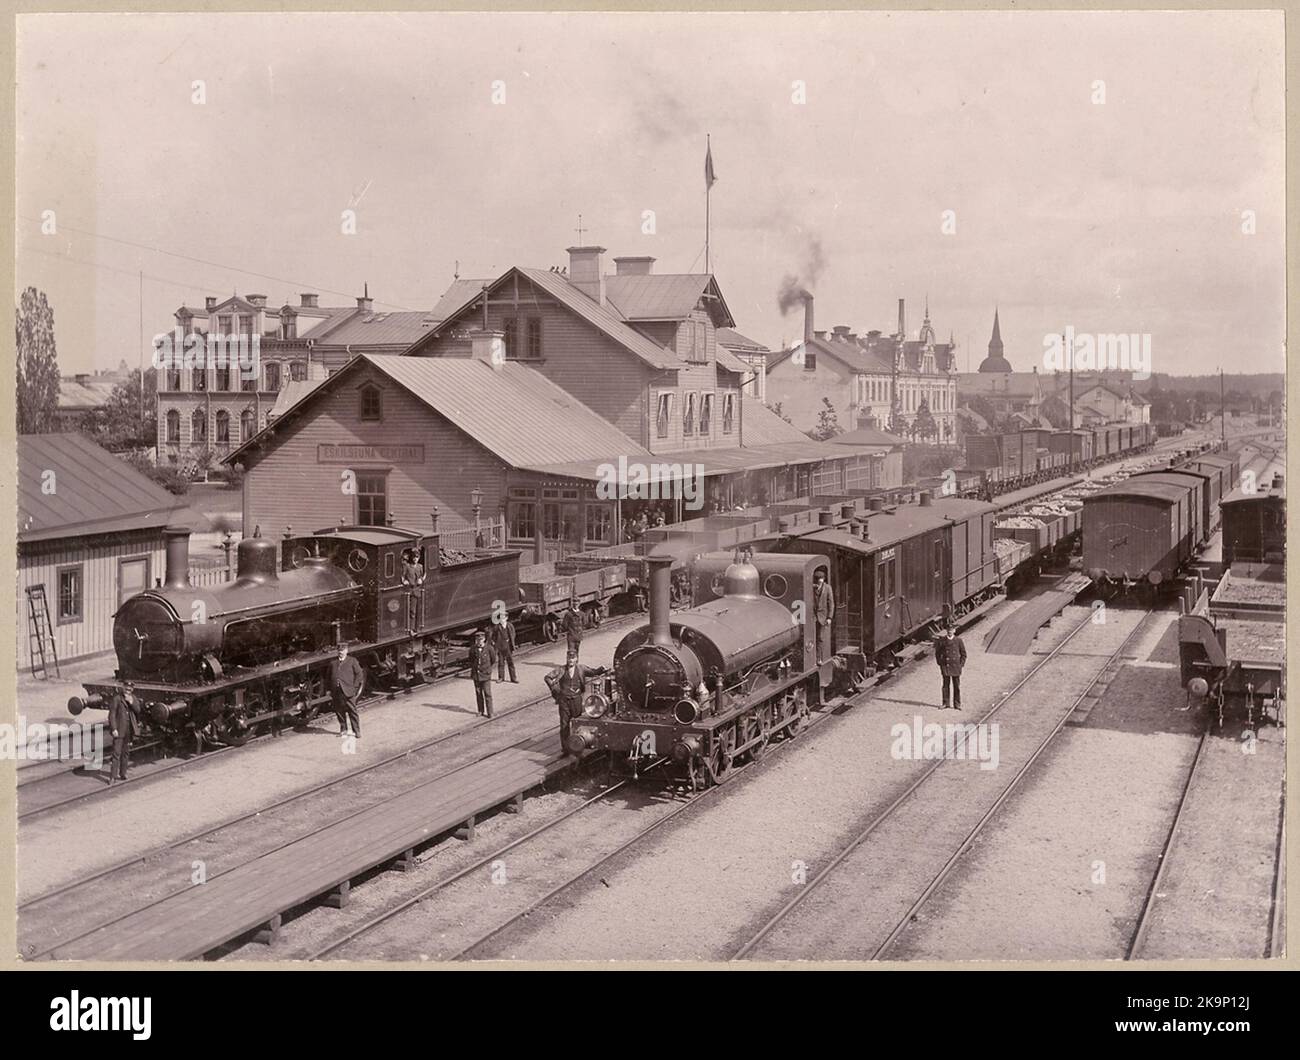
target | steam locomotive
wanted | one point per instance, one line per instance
(219, 662)
(708, 687)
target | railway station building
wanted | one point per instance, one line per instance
(89, 536)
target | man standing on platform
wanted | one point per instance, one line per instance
(503, 640)
(566, 683)
(348, 680)
(823, 613)
(481, 658)
(571, 623)
(124, 725)
(950, 654)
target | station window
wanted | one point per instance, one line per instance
(728, 412)
(706, 413)
(599, 522)
(510, 327)
(665, 412)
(688, 415)
(372, 498)
(372, 404)
(71, 591)
(535, 338)
(523, 518)
(552, 528)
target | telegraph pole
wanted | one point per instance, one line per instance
(141, 306)
(1070, 355)
(1223, 411)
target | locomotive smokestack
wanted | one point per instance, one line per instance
(176, 541)
(661, 580)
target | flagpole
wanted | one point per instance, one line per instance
(708, 193)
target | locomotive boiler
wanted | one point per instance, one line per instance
(709, 687)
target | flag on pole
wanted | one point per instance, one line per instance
(709, 178)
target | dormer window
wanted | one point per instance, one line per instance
(372, 406)
(289, 328)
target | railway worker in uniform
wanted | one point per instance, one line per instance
(503, 640)
(823, 613)
(413, 579)
(571, 623)
(348, 680)
(950, 654)
(124, 725)
(566, 683)
(481, 657)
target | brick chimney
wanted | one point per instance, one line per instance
(258, 300)
(807, 317)
(365, 303)
(310, 300)
(635, 266)
(902, 319)
(586, 271)
(210, 303)
(841, 331)
(489, 346)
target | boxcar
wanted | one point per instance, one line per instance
(1254, 525)
(1198, 489)
(1137, 529)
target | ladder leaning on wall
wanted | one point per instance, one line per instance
(40, 633)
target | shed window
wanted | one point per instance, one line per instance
(71, 592)
(372, 405)
(132, 578)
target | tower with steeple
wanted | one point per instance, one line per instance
(995, 361)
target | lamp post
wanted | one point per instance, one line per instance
(476, 499)
(227, 543)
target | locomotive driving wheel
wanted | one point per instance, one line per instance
(719, 761)
(757, 727)
(797, 711)
(235, 730)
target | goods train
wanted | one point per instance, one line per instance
(1232, 640)
(1014, 460)
(218, 663)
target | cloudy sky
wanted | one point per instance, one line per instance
(1117, 216)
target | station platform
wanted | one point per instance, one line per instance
(255, 895)
(1015, 633)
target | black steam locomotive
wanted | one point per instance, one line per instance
(708, 687)
(220, 662)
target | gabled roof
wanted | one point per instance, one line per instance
(868, 436)
(974, 417)
(1137, 399)
(557, 286)
(457, 297)
(365, 328)
(291, 393)
(665, 296)
(513, 411)
(74, 395)
(864, 355)
(93, 491)
(734, 340)
(728, 360)
(761, 426)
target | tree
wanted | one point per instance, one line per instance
(38, 364)
(828, 423)
(777, 409)
(923, 424)
(983, 407)
(897, 424)
(118, 425)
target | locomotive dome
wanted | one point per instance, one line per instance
(741, 578)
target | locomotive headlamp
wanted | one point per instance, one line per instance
(594, 705)
(686, 711)
(1155, 577)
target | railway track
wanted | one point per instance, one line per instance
(47, 788)
(892, 815)
(92, 884)
(670, 812)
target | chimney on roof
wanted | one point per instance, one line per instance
(634, 266)
(586, 272)
(808, 316)
(364, 302)
(487, 345)
(258, 300)
(902, 319)
(210, 303)
(819, 334)
(840, 331)
(309, 300)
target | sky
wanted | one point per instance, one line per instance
(1114, 173)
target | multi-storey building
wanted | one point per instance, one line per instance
(875, 380)
(209, 406)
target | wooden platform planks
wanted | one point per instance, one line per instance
(188, 924)
(1015, 633)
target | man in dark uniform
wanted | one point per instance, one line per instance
(481, 658)
(950, 654)
(566, 684)
(348, 680)
(823, 613)
(503, 640)
(413, 579)
(571, 623)
(123, 724)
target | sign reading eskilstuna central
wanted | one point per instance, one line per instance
(346, 454)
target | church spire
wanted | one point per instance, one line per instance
(995, 361)
(995, 343)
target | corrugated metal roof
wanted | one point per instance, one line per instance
(867, 436)
(714, 461)
(457, 297)
(74, 395)
(733, 339)
(759, 425)
(513, 411)
(379, 329)
(1135, 487)
(728, 360)
(656, 296)
(888, 527)
(291, 393)
(93, 491)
